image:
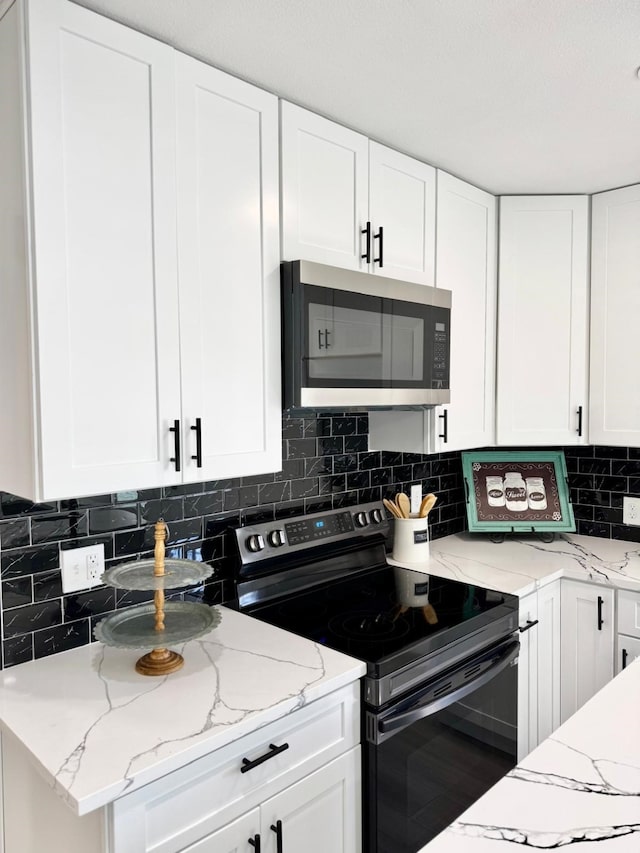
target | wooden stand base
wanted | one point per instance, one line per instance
(159, 662)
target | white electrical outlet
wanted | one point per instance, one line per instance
(416, 499)
(82, 567)
(631, 511)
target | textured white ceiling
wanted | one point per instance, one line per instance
(517, 96)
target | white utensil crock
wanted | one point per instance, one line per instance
(410, 540)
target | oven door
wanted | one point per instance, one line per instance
(429, 756)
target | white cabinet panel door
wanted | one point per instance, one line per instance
(320, 813)
(615, 310)
(628, 651)
(228, 232)
(548, 633)
(324, 190)
(466, 265)
(402, 199)
(528, 676)
(587, 643)
(542, 320)
(232, 838)
(103, 159)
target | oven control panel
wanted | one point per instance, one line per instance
(276, 538)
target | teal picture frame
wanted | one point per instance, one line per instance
(517, 492)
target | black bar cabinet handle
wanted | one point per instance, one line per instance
(320, 344)
(278, 831)
(273, 751)
(444, 435)
(529, 625)
(625, 655)
(255, 842)
(600, 619)
(579, 413)
(367, 254)
(198, 431)
(379, 236)
(175, 429)
(326, 338)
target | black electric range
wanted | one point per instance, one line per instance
(439, 705)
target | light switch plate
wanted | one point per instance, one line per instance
(81, 568)
(416, 499)
(631, 511)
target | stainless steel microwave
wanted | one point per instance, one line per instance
(351, 339)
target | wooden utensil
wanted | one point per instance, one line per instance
(404, 504)
(428, 503)
(393, 509)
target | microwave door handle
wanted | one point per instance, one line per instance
(401, 721)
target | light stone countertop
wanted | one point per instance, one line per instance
(95, 729)
(520, 565)
(579, 790)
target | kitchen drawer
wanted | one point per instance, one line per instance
(628, 651)
(182, 807)
(629, 613)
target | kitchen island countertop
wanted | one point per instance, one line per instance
(579, 790)
(95, 729)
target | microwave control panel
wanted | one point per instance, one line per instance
(440, 348)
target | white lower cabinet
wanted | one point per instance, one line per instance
(588, 630)
(628, 650)
(628, 627)
(318, 814)
(538, 667)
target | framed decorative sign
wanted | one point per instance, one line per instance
(517, 491)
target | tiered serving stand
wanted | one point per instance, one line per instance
(160, 624)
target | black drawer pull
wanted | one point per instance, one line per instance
(255, 842)
(444, 435)
(529, 625)
(278, 831)
(625, 655)
(198, 431)
(579, 413)
(600, 619)
(273, 751)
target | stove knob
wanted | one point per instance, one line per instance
(361, 519)
(376, 516)
(276, 538)
(255, 543)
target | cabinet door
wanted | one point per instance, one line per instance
(324, 190)
(548, 636)
(402, 200)
(528, 676)
(103, 186)
(615, 299)
(587, 643)
(320, 813)
(228, 230)
(232, 838)
(466, 265)
(542, 320)
(628, 650)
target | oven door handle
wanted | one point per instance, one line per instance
(401, 721)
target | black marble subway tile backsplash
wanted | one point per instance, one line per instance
(326, 464)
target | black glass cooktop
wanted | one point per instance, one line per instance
(382, 612)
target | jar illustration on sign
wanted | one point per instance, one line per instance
(495, 491)
(515, 492)
(536, 493)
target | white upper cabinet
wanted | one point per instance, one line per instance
(94, 310)
(466, 265)
(352, 203)
(402, 213)
(324, 190)
(228, 271)
(543, 320)
(615, 307)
